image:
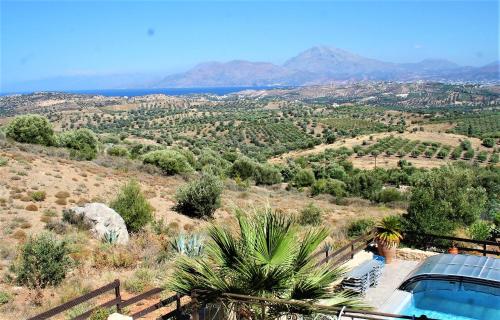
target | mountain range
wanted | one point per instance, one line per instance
(319, 65)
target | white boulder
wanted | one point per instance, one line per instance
(117, 316)
(102, 221)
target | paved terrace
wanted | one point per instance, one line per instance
(392, 276)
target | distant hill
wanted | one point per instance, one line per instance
(319, 65)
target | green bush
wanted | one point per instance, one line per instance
(244, 168)
(141, 279)
(267, 174)
(480, 230)
(118, 151)
(330, 186)
(360, 227)
(4, 297)
(303, 178)
(43, 261)
(169, 161)
(31, 128)
(100, 314)
(364, 184)
(38, 195)
(444, 199)
(310, 215)
(133, 207)
(388, 195)
(489, 142)
(83, 143)
(199, 198)
(208, 157)
(335, 171)
(3, 162)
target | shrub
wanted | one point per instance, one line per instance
(333, 187)
(359, 227)
(335, 171)
(244, 168)
(78, 220)
(310, 215)
(118, 151)
(364, 184)
(31, 129)
(31, 207)
(388, 195)
(169, 161)
(133, 206)
(4, 297)
(443, 199)
(480, 230)
(199, 198)
(489, 142)
(100, 314)
(3, 161)
(267, 174)
(303, 178)
(62, 194)
(43, 261)
(82, 142)
(141, 279)
(38, 195)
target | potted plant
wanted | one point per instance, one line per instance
(453, 249)
(388, 237)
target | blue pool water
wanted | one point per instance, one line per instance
(454, 300)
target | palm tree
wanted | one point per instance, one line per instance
(266, 258)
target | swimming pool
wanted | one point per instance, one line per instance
(453, 300)
(444, 286)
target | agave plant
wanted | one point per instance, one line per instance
(266, 258)
(191, 246)
(110, 237)
(390, 231)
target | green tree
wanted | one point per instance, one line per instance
(444, 199)
(82, 142)
(303, 178)
(265, 258)
(133, 206)
(43, 261)
(31, 128)
(199, 198)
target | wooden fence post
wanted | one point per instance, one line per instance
(118, 296)
(178, 306)
(195, 315)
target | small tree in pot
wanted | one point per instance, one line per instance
(388, 237)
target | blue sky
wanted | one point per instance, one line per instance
(50, 39)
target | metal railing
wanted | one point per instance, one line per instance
(242, 307)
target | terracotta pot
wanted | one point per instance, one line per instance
(388, 252)
(453, 250)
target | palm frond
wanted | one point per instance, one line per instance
(308, 246)
(314, 283)
(275, 239)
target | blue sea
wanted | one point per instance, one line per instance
(167, 91)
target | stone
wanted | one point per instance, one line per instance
(117, 316)
(101, 220)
